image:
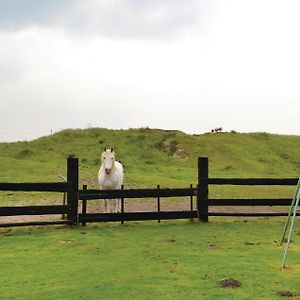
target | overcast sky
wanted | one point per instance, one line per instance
(188, 65)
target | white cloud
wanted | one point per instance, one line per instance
(17, 15)
(112, 19)
(153, 64)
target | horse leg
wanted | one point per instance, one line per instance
(115, 205)
(119, 205)
(109, 206)
(106, 205)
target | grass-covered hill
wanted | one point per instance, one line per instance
(151, 156)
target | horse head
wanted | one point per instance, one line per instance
(108, 160)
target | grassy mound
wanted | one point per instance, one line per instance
(151, 156)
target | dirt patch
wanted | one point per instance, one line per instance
(285, 294)
(248, 209)
(230, 282)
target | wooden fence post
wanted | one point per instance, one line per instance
(122, 205)
(72, 195)
(191, 204)
(158, 203)
(84, 204)
(202, 195)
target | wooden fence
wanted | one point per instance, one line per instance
(201, 211)
(158, 193)
(204, 202)
(70, 209)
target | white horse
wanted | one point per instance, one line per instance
(110, 177)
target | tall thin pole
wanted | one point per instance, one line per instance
(290, 211)
(297, 193)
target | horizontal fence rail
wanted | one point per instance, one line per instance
(135, 193)
(36, 187)
(34, 210)
(250, 202)
(250, 214)
(136, 216)
(252, 181)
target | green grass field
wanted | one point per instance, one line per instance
(153, 156)
(147, 260)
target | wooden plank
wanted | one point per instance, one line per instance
(72, 195)
(191, 204)
(158, 203)
(35, 187)
(84, 205)
(33, 210)
(202, 193)
(122, 204)
(262, 214)
(253, 181)
(250, 202)
(136, 216)
(135, 193)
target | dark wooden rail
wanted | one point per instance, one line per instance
(252, 181)
(33, 210)
(36, 187)
(136, 193)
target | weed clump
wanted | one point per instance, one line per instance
(26, 153)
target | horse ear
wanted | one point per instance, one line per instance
(105, 149)
(112, 149)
